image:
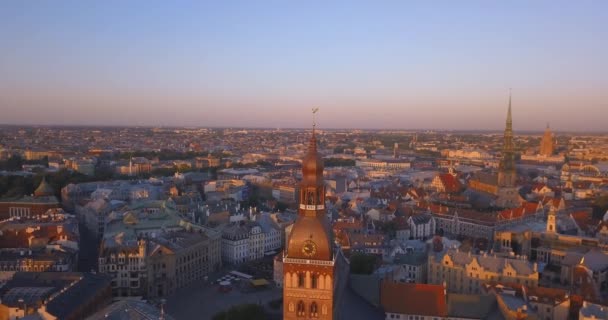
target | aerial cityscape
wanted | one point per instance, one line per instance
(284, 160)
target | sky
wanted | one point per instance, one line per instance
(365, 64)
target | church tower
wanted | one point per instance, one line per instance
(507, 173)
(309, 264)
(551, 221)
(546, 145)
(508, 196)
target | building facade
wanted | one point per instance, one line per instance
(30, 206)
(242, 241)
(177, 259)
(464, 272)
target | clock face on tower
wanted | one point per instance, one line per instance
(309, 248)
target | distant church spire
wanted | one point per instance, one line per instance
(509, 118)
(506, 177)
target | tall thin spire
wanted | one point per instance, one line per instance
(506, 175)
(509, 118)
(508, 147)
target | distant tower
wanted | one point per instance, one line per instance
(414, 141)
(551, 221)
(507, 174)
(508, 194)
(546, 145)
(395, 150)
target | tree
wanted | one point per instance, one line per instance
(337, 162)
(242, 312)
(361, 263)
(390, 229)
(14, 163)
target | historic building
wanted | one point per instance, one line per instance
(177, 259)
(30, 206)
(48, 243)
(53, 295)
(503, 186)
(314, 273)
(242, 241)
(463, 272)
(447, 182)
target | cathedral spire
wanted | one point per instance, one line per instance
(508, 147)
(506, 176)
(509, 118)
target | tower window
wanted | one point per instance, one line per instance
(314, 281)
(314, 310)
(301, 309)
(310, 198)
(300, 280)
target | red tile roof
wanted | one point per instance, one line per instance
(413, 299)
(450, 183)
(585, 221)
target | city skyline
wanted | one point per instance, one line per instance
(395, 65)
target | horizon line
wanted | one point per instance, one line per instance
(290, 128)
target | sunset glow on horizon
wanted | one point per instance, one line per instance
(393, 64)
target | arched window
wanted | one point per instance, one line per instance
(314, 281)
(301, 308)
(287, 280)
(328, 284)
(314, 310)
(310, 197)
(301, 280)
(321, 282)
(294, 280)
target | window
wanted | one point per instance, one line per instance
(314, 310)
(301, 280)
(314, 281)
(301, 308)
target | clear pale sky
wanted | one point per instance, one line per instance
(366, 64)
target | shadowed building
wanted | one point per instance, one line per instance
(28, 206)
(54, 295)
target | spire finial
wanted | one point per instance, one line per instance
(509, 115)
(314, 118)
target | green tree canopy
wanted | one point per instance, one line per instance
(242, 312)
(361, 263)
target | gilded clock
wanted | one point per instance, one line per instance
(309, 248)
